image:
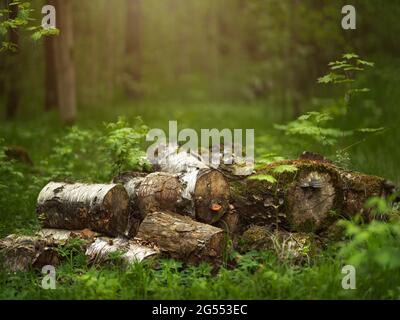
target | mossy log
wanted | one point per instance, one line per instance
(308, 197)
(20, 253)
(182, 238)
(203, 195)
(99, 207)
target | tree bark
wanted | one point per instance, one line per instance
(182, 238)
(64, 62)
(100, 207)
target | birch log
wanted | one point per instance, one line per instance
(20, 253)
(203, 191)
(99, 207)
(182, 238)
(202, 195)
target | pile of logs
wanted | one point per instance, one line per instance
(187, 210)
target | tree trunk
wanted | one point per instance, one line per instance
(182, 238)
(64, 63)
(100, 207)
(51, 96)
(13, 70)
(309, 199)
(133, 47)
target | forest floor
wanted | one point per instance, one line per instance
(258, 275)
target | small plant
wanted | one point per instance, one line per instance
(123, 144)
(315, 127)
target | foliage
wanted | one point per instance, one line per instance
(22, 22)
(374, 249)
(315, 125)
(123, 145)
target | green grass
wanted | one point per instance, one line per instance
(257, 276)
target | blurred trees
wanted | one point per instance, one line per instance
(209, 49)
(133, 47)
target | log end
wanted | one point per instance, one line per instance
(211, 196)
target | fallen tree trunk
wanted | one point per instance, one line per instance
(20, 253)
(100, 207)
(306, 196)
(182, 238)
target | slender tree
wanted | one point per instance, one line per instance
(64, 62)
(133, 47)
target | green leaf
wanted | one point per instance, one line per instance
(371, 130)
(263, 177)
(350, 56)
(285, 168)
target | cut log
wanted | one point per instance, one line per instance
(131, 182)
(98, 247)
(20, 253)
(308, 197)
(131, 252)
(203, 195)
(100, 207)
(182, 238)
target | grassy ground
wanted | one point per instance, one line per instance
(258, 275)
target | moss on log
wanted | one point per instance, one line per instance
(308, 197)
